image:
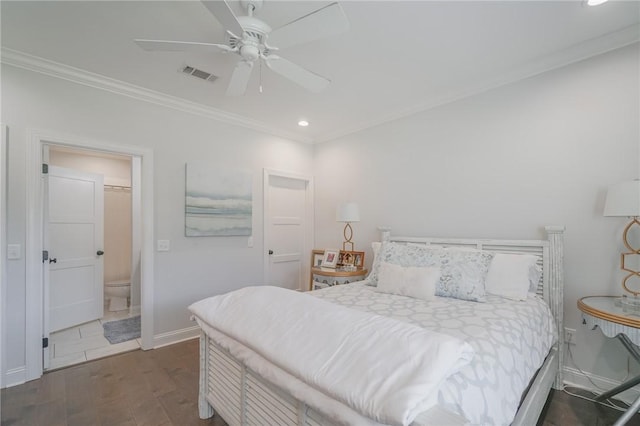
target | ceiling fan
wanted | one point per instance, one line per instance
(247, 37)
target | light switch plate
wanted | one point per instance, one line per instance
(13, 251)
(163, 245)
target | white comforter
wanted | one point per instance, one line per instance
(335, 349)
(510, 340)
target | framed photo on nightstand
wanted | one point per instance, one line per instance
(351, 258)
(316, 258)
(330, 259)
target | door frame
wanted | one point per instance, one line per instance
(309, 219)
(3, 242)
(34, 297)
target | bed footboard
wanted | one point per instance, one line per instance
(240, 397)
(205, 410)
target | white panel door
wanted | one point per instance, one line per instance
(287, 229)
(76, 238)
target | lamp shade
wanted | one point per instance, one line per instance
(348, 212)
(623, 199)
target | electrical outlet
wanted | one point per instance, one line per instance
(569, 336)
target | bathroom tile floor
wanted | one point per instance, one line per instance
(86, 342)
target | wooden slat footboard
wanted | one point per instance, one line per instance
(241, 397)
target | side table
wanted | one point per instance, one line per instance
(326, 277)
(615, 320)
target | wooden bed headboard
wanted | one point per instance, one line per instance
(550, 258)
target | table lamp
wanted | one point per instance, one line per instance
(623, 199)
(348, 212)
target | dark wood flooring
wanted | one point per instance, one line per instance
(151, 388)
(564, 409)
(160, 388)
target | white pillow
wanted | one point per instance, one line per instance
(374, 265)
(418, 282)
(375, 246)
(512, 275)
(535, 272)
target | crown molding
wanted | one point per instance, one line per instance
(575, 53)
(570, 55)
(76, 75)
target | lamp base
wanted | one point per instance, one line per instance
(348, 234)
(345, 244)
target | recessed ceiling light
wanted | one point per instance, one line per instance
(595, 2)
(303, 123)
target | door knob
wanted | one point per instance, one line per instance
(53, 260)
(270, 251)
(99, 252)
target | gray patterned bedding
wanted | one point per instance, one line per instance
(511, 340)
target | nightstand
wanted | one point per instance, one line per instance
(327, 277)
(612, 318)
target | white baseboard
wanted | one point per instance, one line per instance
(164, 339)
(574, 377)
(15, 376)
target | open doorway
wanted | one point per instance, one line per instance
(93, 300)
(37, 331)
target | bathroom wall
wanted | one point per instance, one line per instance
(117, 206)
(117, 234)
(115, 169)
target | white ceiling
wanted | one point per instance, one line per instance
(398, 57)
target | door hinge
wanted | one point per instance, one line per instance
(45, 342)
(45, 256)
(45, 168)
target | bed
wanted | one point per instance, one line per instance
(244, 383)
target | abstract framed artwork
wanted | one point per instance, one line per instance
(218, 201)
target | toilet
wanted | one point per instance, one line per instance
(117, 293)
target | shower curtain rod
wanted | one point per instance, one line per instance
(117, 187)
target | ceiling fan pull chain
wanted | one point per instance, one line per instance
(260, 88)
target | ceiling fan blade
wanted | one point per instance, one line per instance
(225, 16)
(297, 74)
(324, 22)
(181, 46)
(240, 78)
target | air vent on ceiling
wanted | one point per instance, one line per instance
(203, 75)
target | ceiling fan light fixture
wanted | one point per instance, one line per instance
(595, 2)
(303, 123)
(250, 52)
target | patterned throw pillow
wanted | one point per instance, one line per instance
(463, 271)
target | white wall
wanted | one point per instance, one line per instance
(195, 267)
(503, 164)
